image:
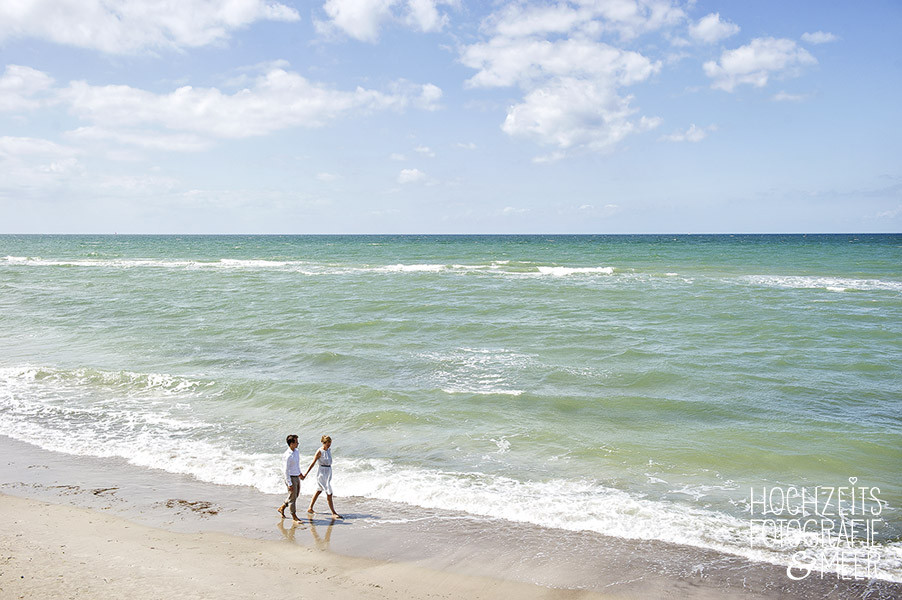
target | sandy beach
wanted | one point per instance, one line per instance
(54, 551)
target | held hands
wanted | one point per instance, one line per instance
(288, 485)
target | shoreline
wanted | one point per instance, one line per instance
(458, 547)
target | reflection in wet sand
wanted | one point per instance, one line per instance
(321, 540)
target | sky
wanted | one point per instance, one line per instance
(450, 116)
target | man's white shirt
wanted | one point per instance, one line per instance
(291, 463)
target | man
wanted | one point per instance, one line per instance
(291, 471)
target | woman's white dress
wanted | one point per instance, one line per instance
(324, 474)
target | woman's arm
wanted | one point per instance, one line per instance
(315, 458)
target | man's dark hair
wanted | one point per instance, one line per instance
(291, 439)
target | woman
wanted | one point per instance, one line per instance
(324, 476)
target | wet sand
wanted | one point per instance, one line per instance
(101, 528)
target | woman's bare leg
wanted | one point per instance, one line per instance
(313, 501)
(335, 515)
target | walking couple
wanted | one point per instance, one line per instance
(291, 470)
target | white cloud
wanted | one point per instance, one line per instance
(505, 62)
(149, 140)
(571, 81)
(137, 185)
(326, 177)
(755, 62)
(425, 151)
(512, 210)
(396, 156)
(44, 170)
(33, 164)
(819, 37)
(786, 97)
(411, 176)
(22, 88)
(21, 146)
(593, 211)
(890, 214)
(190, 119)
(363, 19)
(549, 158)
(627, 18)
(245, 75)
(426, 97)
(467, 145)
(360, 19)
(277, 100)
(571, 112)
(711, 29)
(693, 134)
(135, 25)
(424, 16)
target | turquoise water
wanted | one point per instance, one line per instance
(632, 385)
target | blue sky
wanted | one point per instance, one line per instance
(448, 116)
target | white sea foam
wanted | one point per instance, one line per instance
(833, 284)
(480, 371)
(484, 391)
(141, 417)
(415, 268)
(565, 271)
(167, 384)
(592, 507)
(153, 426)
(255, 264)
(134, 263)
(501, 268)
(503, 444)
(109, 263)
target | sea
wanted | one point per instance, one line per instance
(740, 393)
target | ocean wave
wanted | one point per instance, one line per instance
(106, 263)
(168, 384)
(833, 284)
(137, 263)
(311, 268)
(565, 271)
(478, 371)
(483, 391)
(496, 268)
(46, 407)
(592, 506)
(415, 268)
(254, 264)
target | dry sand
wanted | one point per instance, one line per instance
(50, 551)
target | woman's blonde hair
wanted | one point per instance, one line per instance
(325, 439)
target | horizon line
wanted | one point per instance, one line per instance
(685, 233)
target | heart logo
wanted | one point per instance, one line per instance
(853, 480)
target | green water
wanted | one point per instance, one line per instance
(638, 379)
